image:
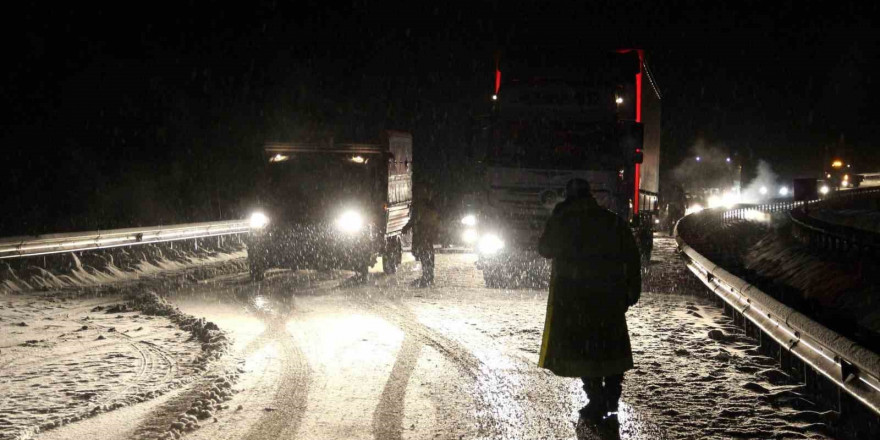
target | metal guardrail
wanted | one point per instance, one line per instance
(18, 247)
(850, 366)
(827, 235)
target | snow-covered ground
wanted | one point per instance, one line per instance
(325, 358)
(84, 341)
(66, 359)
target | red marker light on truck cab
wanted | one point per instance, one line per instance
(639, 96)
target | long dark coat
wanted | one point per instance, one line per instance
(596, 276)
(425, 224)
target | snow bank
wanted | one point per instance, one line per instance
(95, 268)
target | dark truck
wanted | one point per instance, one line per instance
(333, 206)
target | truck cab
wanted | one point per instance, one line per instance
(332, 206)
(598, 120)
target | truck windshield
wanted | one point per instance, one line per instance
(309, 185)
(544, 141)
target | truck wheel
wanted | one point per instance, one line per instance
(392, 257)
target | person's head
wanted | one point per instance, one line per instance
(577, 189)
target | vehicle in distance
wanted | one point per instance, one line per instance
(333, 206)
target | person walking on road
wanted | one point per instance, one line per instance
(595, 278)
(425, 224)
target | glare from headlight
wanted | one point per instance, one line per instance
(693, 209)
(824, 189)
(714, 201)
(350, 221)
(469, 220)
(258, 220)
(490, 244)
(469, 236)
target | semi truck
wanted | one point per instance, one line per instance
(598, 120)
(332, 205)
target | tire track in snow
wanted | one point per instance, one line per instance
(291, 398)
(389, 413)
(497, 412)
(289, 401)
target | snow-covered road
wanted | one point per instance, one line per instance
(325, 358)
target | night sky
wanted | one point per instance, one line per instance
(149, 113)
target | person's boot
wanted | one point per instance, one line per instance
(613, 388)
(593, 411)
(611, 406)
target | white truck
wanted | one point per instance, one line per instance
(598, 121)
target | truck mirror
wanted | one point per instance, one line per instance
(638, 157)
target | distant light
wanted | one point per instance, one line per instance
(693, 209)
(828, 175)
(656, 221)
(783, 191)
(729, 199)
(836, 164)
(278, 158)
(824, 189)
(728, 160)
(846, 177)
(698, 158)
(490, 244)
(494, 97)
(469, 220)
(763, 190)
(358, 159)
(714, 201)
(619, 100)
(844, 184)
(469, 236)
(258, 220)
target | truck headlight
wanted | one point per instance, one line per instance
(469, 220)
(258, 220)
(350, 221)
(490, 244)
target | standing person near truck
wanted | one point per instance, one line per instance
(425, 224)
(595, 278)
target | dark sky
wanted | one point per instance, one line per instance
(189, 88)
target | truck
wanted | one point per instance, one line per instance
(332, 205)
(841, 175)
(598, 120)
